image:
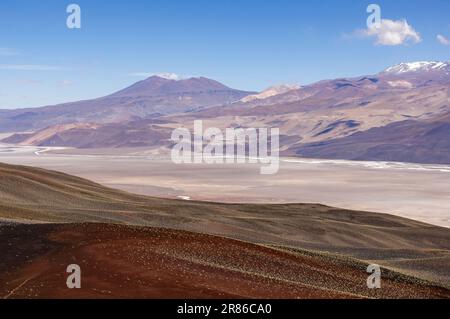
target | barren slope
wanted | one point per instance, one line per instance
(130, 262)
(36, 195)
(413, 141)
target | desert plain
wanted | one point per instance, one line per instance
(415, 191)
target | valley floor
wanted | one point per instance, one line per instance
(420, 192)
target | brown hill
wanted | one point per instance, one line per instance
(135, 262)
(413, 248)
(148, 133)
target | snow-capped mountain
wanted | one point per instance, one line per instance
(169, 76)
(419, 66)
(309, 117)
(272, 91)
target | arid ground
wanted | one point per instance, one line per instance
(131, 262)
(420, 192)
(137, 246)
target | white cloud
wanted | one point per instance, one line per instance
(169, 76)
(443, 40)
(8, 52)
(391, 32)
(28, 67)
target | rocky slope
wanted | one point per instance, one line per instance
(31, 195)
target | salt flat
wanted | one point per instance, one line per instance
(420, 192)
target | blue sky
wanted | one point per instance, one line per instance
(245, 44)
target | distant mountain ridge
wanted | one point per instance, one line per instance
(419, 66)
(150, 98)
(272, 91)
(426, 142)
(340, 118)
(160, 86)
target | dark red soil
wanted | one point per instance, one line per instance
(132, 262)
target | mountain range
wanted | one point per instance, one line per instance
(399, 114)
(150, 98)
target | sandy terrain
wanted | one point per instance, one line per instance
(130, 262)
(33, 195)
(420, 192)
